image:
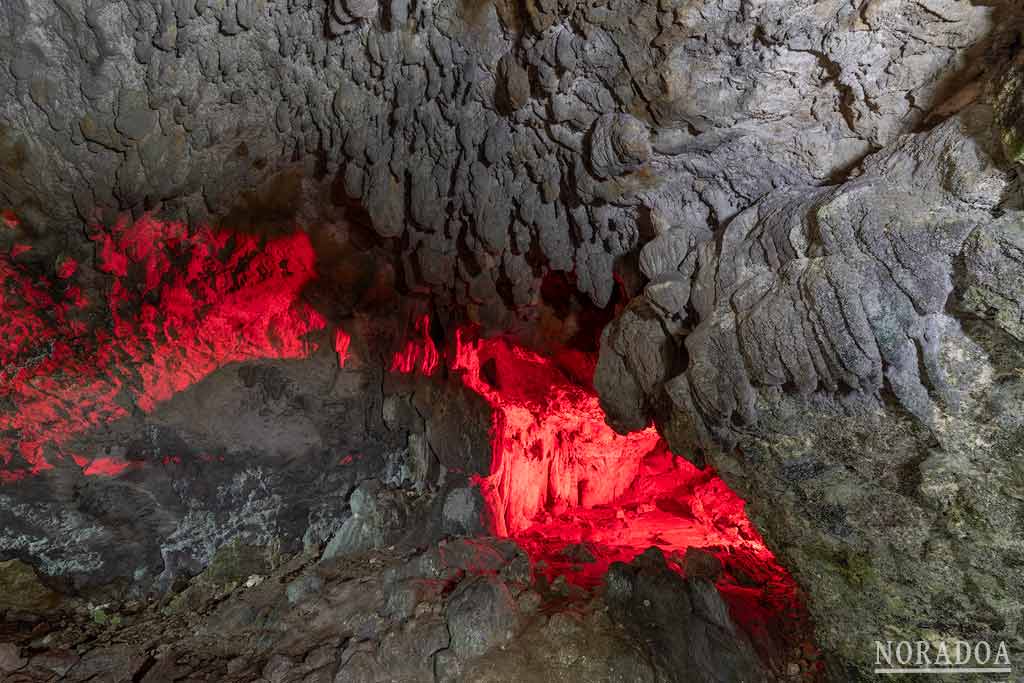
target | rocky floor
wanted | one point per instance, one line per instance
(460, 610)
(800, 224)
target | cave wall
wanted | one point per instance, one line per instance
(276, 456)
(848, 357)
(490, 141)
(812, 205)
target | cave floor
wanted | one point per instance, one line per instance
(463, 609)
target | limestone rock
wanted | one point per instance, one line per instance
(636, 359)
(701, 564)
(993, 287)
(515, 83)
(481, 615)
(824, 197)
(377, 515)
(619, 143)
(464, 511)
(685, 622)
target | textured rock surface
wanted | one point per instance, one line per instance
(819, 197)
(495, 140)
(462, 610)
(686, 620)
(275, 455)
(23, 590)
(849, 359)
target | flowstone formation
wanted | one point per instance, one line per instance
(807, 215)
(849, 357)
(490, 142)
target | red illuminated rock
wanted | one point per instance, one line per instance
(205, 299)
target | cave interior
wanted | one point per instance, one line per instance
(526, 340)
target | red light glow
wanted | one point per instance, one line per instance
(181, 305)
(561, 476)
(342, 340)
(67, 268)
(578, 496)
(419, 353)
(108, 467)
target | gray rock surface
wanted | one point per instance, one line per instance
(378, 516)
(684, 622)
(821, 198)
(550, 130)
(460, 621)
(10, 658)
(464, 512)
(850, 363)
(278, 455)
(481, 615)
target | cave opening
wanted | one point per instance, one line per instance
(184, 303)
(578, 496)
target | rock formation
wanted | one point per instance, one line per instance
(806, 217)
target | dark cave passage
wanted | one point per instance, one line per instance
(573, 493)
